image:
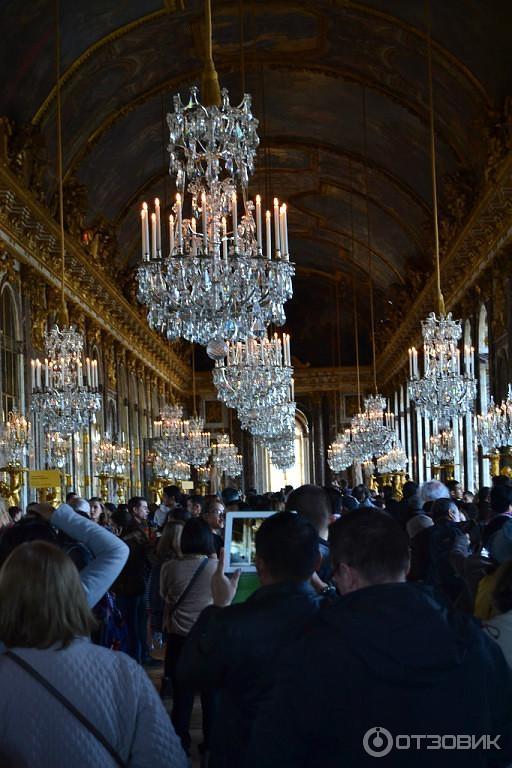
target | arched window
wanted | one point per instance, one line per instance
(10, 370)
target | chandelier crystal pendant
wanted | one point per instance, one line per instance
(254, 374)
(443, 392)
(282, 451)
(15, 440)
(65, 387)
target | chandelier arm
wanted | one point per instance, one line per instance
(210, 80)
(63, 311)
(440, 298)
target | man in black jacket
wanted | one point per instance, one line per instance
(387, 672)
(236, 649)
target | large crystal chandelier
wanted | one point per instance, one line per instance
(15, 440)
(65, 389)
(181, 440)
(226, 274)
(373, 429)
(443, 392)
(441, 448)
(195, 442)
(254, 374)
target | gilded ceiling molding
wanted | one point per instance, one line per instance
(29, 233)
(487, 231)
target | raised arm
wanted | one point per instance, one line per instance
(110, 553)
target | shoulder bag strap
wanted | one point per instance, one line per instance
(187, 589)
(67, 704)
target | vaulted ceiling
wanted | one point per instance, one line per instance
(308, 66)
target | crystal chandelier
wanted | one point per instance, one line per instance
(224, 454)
(395, 460)
(221, 280)
(65, 389)
(282, 451)
(494, 429)
(112, 458)
(57, 449)
(223, 277)
(15, 440)
(443, 392)
(372, 430)
(254, 374)
(442, 448)
(340, 454)
(164, 470)
(194, 447)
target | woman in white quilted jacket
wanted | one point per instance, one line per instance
(63, 701)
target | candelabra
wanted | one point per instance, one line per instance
(443, 392)
(14, 442)
(113, 463)
(65, 389)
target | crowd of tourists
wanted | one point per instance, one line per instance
(374, 617)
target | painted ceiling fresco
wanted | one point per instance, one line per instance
(308, 66)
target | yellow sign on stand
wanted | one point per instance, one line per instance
(44, 478)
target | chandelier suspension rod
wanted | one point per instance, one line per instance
(242, 45)
(440, 299)
(210, 80)
(368, 243)
(194, 378)
(354, 292)
(63, 317)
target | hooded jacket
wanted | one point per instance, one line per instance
(388, 657)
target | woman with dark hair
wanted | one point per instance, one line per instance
(86, 705)
(185, 585)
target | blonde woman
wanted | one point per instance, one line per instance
(86, 705)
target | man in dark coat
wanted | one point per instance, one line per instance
(236, 649)
(386, 661)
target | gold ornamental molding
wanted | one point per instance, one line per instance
(487, 231)
(29, 234)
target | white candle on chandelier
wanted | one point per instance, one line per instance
(46, 380)
(284, 233)
(39, 366)
(472, 362)
(268, 218)
(171, 234)
(143, 219)
(93, 373)
(194, 238)
(205, 223)
(33, 373)
(88, 369)
(80, 373)
(235, 221)
(224, 238)
(158, 228)
(276, 227)
(62, 371)
(410, 362)
(258, 225)
(292, 390)
(179, 222)
(146, 228)
(153, 235)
